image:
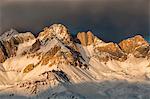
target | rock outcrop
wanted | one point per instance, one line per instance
(2, 56)
(82, 37)
(113, 51)
(86, 38)
(136, 45)
(58, 31)
(28, 68)
(50, 55)
(35, 46)
(90, 38)
(141, 52)
(24, 37)
(8, 34)
(98, 41)
(10, 40)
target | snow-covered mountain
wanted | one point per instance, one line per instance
(55, 65)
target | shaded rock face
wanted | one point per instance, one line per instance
(86, 38)
(142, 51)
(10, 47)
(148, 55)
(136, 45)
(9, 42)
(113, 51)
(35, 46)
(2, 56)
(8, 34)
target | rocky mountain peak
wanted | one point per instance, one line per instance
(136, 45)
(130, 44)
(8, 34)
(56, 30)
(10, 41)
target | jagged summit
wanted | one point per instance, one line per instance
(8, 34)
(136, 45)
(54, 64)
(130, 44)
(11, 42)
(56, 30)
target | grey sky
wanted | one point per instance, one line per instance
(105, 18)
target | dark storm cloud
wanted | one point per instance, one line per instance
(112, 20)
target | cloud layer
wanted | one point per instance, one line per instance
(112, 20)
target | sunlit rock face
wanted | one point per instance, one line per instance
(57, 30)
(56, 65)
(82, 38)
(90, 38)
(136, 45)
(113, 50)
(131, 44)
(86, 38)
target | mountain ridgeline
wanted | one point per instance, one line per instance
(136, 45)
(54, 62)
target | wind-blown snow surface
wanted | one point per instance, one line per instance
(57, 79)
